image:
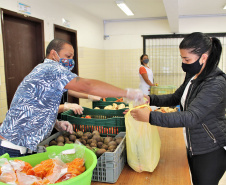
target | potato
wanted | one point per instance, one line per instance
(60, 139)
(60, 144)
(107, 140)
(79, 134)
(100, 152)
(72, 137)
(53, 142)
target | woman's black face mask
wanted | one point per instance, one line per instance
(193, 68)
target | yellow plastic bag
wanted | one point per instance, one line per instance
(142, 144)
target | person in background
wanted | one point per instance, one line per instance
(34, 108)
(202, 99)
(146, 75)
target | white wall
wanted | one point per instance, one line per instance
(127, 35)
(89, 29)
(203, 24)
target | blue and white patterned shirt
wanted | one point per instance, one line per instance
(35, 105)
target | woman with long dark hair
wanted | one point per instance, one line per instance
(202, 99)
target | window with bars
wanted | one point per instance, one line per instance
(165, 60)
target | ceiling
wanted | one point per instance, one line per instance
(107, 10)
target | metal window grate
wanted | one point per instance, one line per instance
(165, 60)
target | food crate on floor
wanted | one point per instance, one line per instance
(163, 89)
(109, 101)
(110, 164)
(83, 179)
(107, 122)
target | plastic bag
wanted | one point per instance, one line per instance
(78, 151)
(74, 159)
(7, 175)
(24, 179)
(142, 144)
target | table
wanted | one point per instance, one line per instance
(172, 169)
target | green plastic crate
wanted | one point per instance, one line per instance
(109, 101)
(163, 89)
(107, 122)
(84, 178)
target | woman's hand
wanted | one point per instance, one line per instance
(141, 114)
(73, 106)
(125, 111)
(148, 99)
(94, 98)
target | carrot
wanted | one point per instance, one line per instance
(119, 100)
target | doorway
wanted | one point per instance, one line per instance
(69, 35)
(23, 44)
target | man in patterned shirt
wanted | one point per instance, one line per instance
(33, 111)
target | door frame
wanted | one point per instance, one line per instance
(22, 16)
(75, 43)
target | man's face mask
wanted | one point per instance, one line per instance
(67, 63)
(193, 68)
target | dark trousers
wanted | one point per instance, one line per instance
(207, 169)
(11, 152)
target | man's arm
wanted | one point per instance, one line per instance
(95, 87)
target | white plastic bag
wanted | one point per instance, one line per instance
(142, 144)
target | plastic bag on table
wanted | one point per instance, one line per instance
(75, 161)
(142, 144)
(20, 166)
(78, 151)
(24, 179)
(49, 170)
(7, 173)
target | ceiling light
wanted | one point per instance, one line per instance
(224, 7)
(124, 7)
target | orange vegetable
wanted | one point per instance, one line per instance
(75, 168)
(27, 166)
(41, 182)
(87, 116)
(45, 169)
(119, 100)
(42, 170)
(104, 99)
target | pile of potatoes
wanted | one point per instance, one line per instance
(92, 141)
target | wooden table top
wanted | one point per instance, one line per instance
(172, 169)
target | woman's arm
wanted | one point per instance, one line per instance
(78, 94)
(145, 77)
(61, 108)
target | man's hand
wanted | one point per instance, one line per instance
(64, 126)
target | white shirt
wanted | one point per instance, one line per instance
(145, 88)
(182, 101)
